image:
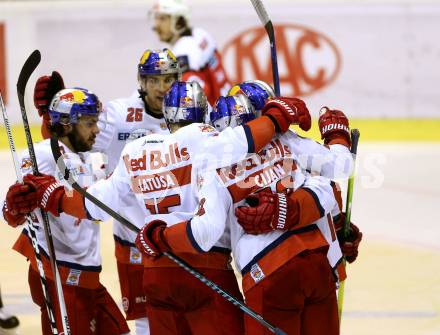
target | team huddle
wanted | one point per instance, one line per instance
(205, 171)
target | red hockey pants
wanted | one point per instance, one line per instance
(299, 298)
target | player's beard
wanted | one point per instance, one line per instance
(78, 143)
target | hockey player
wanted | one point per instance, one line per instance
(332, 160)
(157, 172)
(90, 308)
(286, 272)
(122, 121)
(194, 48)
(334, 128)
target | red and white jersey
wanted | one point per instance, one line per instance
(333, 161)
(200, 61)
(155, 173)
(278, 167)
(124, 120)
(77, 242)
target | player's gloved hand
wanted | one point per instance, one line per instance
(45, 88)
(150, 239)
(334, 127)
(350, 244)
(13, 220)
(49, 192)
(21, 199)
(285, 111)
(269, 211)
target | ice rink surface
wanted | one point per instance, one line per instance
(392, 289)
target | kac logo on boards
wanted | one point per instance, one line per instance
(307, 60)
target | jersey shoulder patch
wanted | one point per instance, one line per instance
(187, 50)
(183, 62)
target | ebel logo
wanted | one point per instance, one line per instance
(307, 60)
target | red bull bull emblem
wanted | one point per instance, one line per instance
(238, 109)
(75, 96)
(186, 102)
(26, 163)
(205, 128)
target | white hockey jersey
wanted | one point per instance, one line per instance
(200, 61)
(76, 242)
(155, 172)
(277, 166)
(122, 121)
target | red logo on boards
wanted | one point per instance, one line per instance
(307, 60)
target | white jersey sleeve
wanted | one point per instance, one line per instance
(197, 48)
(209, 222)
(109, 191)
(45, 161)
(122, 121)
(323, 193)
(76, 241)
(210, 149)
(332, 162)
(107, 128)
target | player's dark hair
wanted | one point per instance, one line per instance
(57, 129)
(181, 23)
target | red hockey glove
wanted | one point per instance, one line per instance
(49, 192)
(150, 239)
(285, 111)
(350, 244)
(13, 220)
(334, 127)
(269, 211)
(21, 199)
(45, 88)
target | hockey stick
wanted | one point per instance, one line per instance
(69, 178)
(30, 224)
(346, 227)
(28, 68)
(267, 23)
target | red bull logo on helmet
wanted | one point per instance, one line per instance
(236, 89)
(186, 102)
(238, 109)
(74, 96)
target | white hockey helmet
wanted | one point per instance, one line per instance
(175, 9)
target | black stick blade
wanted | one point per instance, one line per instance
(26, 71)
(355, 134)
